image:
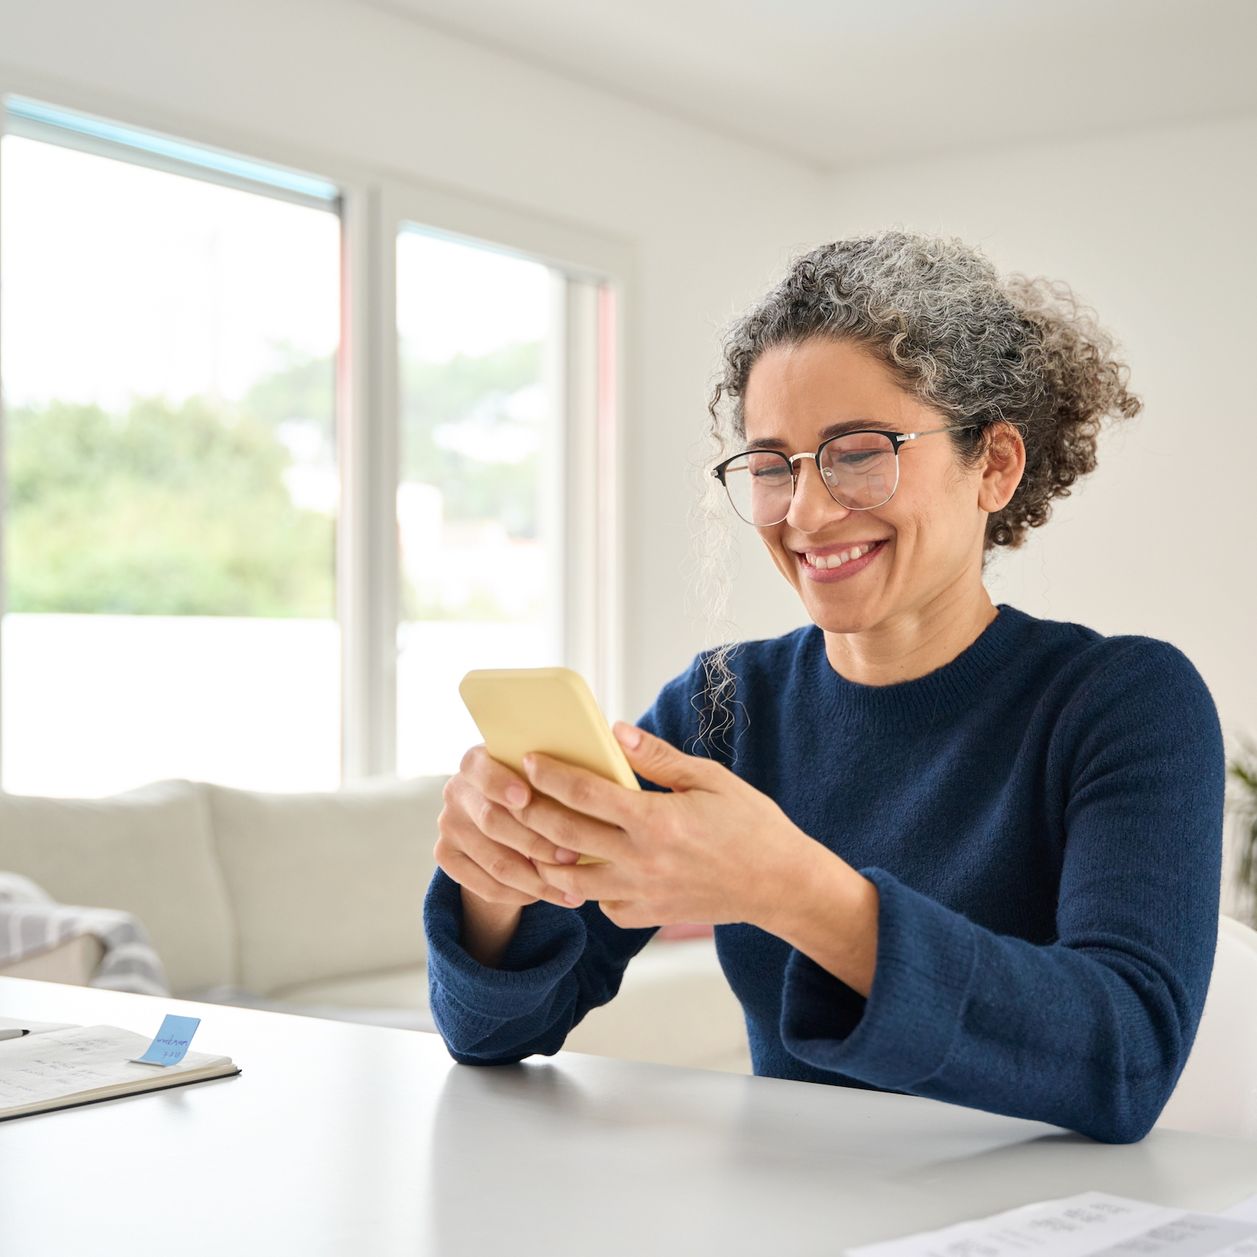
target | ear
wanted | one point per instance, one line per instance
(1004, 467)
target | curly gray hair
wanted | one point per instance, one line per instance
(975, 347)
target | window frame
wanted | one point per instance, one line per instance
(599, 276)
(594, 270)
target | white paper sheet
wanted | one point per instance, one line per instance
(1246, 1210)
(1086, 1225)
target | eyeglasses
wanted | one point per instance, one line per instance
(859, 469)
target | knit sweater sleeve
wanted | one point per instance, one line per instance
(1091, 1031)
(559, 964)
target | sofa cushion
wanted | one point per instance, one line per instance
(146, 851)
(398, 990)
(327, 884)
(395, 997)
(674, 1007)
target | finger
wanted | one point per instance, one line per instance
(660, 761)
(494, 779)
(587, 881)
(499, 822)
(496, 866)
(466, 872)
(582, 791)
(565, 830)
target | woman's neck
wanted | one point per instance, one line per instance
(913, 643)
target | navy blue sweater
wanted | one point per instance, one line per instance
(1042, 818)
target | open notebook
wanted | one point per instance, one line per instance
(59, 1065)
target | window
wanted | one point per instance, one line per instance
(284, 457)
(170, 325)
(480, 487)
(505, 345)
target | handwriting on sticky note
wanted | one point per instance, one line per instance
(170, 1044)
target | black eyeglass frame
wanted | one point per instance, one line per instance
(897, 440)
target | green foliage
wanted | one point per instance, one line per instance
(183, 510)
(162, 511)
(437, 397)
(303, 387)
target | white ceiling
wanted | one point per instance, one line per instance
(834, 82)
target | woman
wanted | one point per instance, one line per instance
(949, 848)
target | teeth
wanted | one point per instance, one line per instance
(837, 560)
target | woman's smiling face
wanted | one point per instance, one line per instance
(927, 539)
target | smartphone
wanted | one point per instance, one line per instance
(548, 710)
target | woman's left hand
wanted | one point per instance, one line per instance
(715, 850)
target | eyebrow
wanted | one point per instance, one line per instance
(848, 425)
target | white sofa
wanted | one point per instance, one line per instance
(312, 904)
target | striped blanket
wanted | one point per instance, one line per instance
(31, 921)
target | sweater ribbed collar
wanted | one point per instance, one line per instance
(921, 701)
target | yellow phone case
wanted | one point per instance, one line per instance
(547, 710)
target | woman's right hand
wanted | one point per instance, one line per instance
(482, 845)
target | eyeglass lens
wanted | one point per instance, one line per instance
(860, 471)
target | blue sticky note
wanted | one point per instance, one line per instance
(171, 1042)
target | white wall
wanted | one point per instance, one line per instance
(710, 220)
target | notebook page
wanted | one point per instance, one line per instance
(40, 1067)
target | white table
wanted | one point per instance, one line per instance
(359, 1140)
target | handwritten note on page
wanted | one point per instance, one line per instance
(170, 1044)
(42, 1067)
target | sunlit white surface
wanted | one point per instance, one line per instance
(253, 703)
(95, 704)
(123, 281)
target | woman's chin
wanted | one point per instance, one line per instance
(841, 619)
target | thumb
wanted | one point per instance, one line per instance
(657, 760)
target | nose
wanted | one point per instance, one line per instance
(812, 506)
